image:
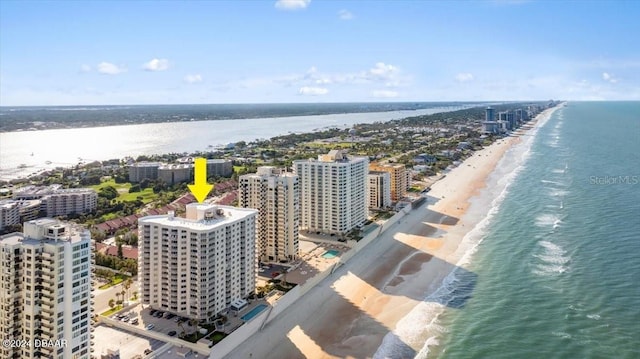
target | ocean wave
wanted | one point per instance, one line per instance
(553, 182)
(545, 270)
(548, 220)
(563, 335)
(553, 258)
(593, 316)
(554, 192)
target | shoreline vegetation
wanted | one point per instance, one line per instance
(54, 117)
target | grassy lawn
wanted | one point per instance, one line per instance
(146, 194)
(111, 311)
(193, 337)
(123, 192)
(217, 337)
(120, 187)
(117, 279)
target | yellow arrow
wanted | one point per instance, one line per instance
(200, 188)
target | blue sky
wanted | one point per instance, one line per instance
(137, 52)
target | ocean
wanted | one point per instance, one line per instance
(554, 269)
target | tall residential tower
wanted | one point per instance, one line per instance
(196, 266)
(46, 290)
(333, 192)
(276, 196)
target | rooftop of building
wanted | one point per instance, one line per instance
(268, 171)
(201, 216)
(146, 164)
(335, 156)
(46, 229)
(175, 166)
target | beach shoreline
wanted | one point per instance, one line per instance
(349, 314)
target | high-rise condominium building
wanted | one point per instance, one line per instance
(196, 266)
(399, 179)
(333, 192)
(46, 291)
(379, 189)
(276, 196)
(490, 114)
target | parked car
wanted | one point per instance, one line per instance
(134, 321)
(149, 327)
(147, 351)
(152, 312)
(125, 319)
(170, 315)
(172, 333)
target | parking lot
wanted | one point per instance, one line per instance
(130, 345)
(159, 321)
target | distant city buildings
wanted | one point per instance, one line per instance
(490, 114)
(46, 290)
(276, 196)
(55, 201)
(196, 266)
(9, 213)
(379, 190)
(177, 172)
(141, 170)
(400, 182)
(333, 192)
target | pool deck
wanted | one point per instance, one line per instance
(311, 261)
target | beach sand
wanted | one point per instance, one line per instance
(348, 314)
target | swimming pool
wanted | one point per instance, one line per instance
(330, 254)
(253, 312)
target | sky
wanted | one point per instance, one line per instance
(289, 51)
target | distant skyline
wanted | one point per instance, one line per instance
(288, 51)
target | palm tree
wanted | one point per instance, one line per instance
(127, 284)
(112, 303)
(123, 293)
(135, 294)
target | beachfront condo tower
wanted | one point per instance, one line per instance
(333, 192)
(490, 114)
(276, 196)
(399, 180)
(196, 266)
(46, 291)
(379, 190)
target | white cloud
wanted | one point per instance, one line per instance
(108, 68)
(609, 78)
(157, 65)
(383, 71)
(384, 94)
(345, 14)
(192, 79)
(85, 68)
(313, 91)
(292, 4)
(464, 77)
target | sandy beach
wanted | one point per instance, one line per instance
(349, 313)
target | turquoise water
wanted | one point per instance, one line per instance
(332, 253)
(253, 312)
(558, 267)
